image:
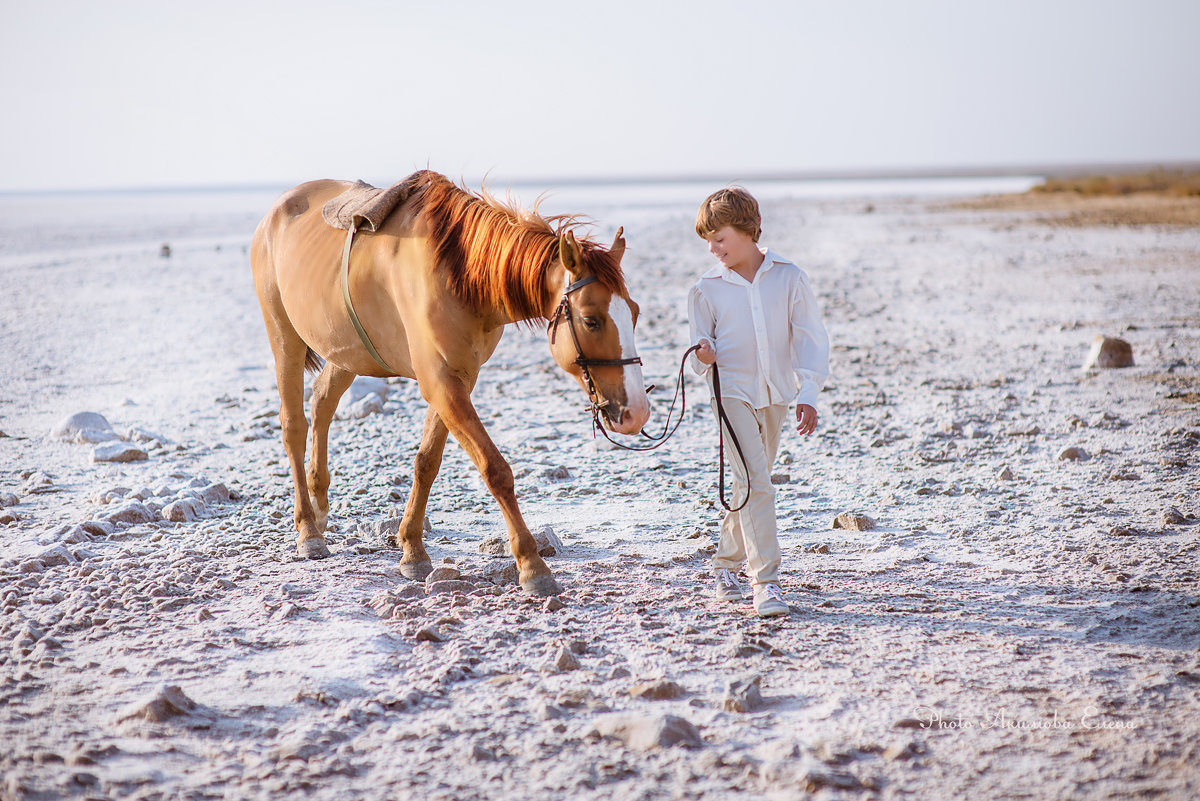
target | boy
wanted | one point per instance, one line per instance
(756, 316)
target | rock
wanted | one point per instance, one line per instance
(8, 499)
(1073, 454)
(448, 587)
(365, 396)
(1172, 517)
(503, 574)
(118, 452)
(660, 690)
(184, 511)
(548, 543)
(216, 493)
(745, 644)
(743, 695)
(56, 555)
(553, 604)
(84, 427)
(131, 514)
(372, 404)
(646, 732)
(429, 634)
(166, 703)
(564, 660)
(558, 473)
(442, 573)
(1107, 353)
(494, 546)
(97, 528)
(1005, 474)
(853, 521)
(781, 478)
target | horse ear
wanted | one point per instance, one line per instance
(618, 245)
(568, 250)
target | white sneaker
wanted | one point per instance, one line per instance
(768, 601)
(728, 588)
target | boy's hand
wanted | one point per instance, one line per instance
(806, 419)
(706, 353)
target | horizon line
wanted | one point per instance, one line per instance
(1043, 170)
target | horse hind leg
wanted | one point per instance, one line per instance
(415, 564)
(328, 388)
(290, 353)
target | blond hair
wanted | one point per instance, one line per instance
(732, 206)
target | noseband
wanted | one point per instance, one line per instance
(564, 309)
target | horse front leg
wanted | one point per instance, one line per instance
(328, 389)
(453, 401)
(415, 564)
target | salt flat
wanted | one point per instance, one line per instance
(1016, 624)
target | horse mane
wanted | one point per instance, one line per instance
(498, 255)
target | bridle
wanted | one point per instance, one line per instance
(564, 310)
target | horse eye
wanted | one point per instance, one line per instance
(591, 323)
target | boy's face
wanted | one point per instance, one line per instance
(731, 246)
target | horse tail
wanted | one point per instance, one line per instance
(312, 362)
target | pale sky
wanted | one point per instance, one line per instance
(130, 94)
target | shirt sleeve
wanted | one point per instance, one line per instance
(810, 344)
(703, 325)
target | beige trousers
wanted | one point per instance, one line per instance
(751, 535)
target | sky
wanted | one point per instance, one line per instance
(131, 94)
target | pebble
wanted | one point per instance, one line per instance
(442, 573)
(659, 690)
(1072, 453)
(184, 511)
(1172, 517)
(743, 695)
(449, 587)
(646, 732)
(131, 513)
(8, 499)
(118, 452)
(1005, 474)
(853, 521)
(548, 543)
(494, 546)
(428, 634)
(564, 660)
(169, 701)
(1107, 353)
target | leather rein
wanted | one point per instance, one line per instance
(596, 405)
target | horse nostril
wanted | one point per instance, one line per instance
(626, 417)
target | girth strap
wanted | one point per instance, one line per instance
(362, 333)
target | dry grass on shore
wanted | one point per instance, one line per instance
(1170, 183)
(1156, 197)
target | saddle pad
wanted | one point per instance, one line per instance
(366, 206)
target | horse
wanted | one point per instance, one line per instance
(433, 287)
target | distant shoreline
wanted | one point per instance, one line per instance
(731, 176)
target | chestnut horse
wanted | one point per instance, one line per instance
(433, 288)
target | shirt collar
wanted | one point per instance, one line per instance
(770, 259)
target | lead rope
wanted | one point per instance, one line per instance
(668, 430)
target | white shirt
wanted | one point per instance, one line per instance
(771, 345)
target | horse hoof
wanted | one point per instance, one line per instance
(313, 548)
(417, 571)
(541, 586)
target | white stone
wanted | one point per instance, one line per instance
(365, 396)
(70, 429)
(118, 452)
